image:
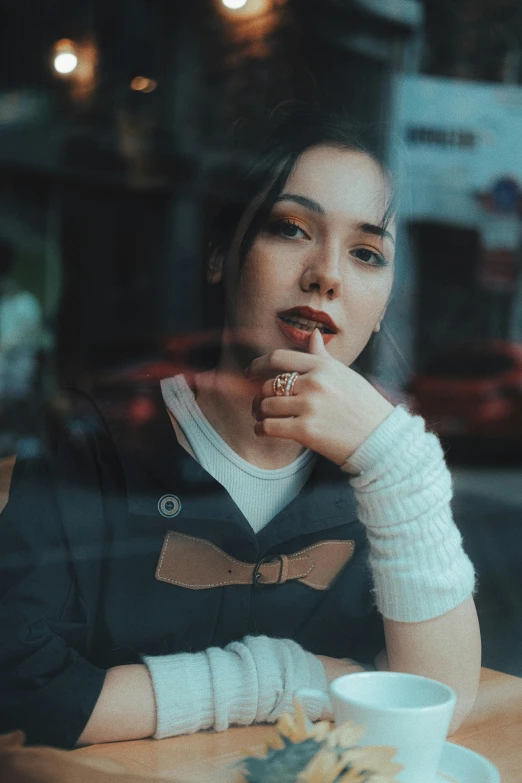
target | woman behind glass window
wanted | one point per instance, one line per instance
(275, 524)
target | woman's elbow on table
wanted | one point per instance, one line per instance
(125, 709)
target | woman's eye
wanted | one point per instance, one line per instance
(288, 229)
(369, 257)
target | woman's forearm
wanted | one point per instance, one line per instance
(445, 648)
(125, 709)
(249, 681)
(422, 577)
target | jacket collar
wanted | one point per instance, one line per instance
(154, 465)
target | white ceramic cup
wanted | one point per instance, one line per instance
(405, 711)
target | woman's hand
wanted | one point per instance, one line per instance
(332, 409)
(337, 667)
(334, 668)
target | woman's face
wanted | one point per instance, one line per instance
(322, 257)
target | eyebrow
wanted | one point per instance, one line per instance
(379, 231)
(314, 206)
(309, 203)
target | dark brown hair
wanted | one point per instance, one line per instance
(283, 136)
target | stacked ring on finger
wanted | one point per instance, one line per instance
(284, 383)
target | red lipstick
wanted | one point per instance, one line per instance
(301, 337)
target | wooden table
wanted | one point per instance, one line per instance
(494, 729)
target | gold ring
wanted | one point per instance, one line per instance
(290, 385)
(283, 384)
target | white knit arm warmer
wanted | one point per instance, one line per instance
(403, 490)
(246, 682)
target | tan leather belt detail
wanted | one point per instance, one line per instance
(198, 564)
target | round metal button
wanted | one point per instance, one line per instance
(169, 506)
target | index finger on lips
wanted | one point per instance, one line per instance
(280, 360)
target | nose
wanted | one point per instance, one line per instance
(322, 273)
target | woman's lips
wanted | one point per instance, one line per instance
(300, 337)
(310, 315)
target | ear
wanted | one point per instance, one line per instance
(215, 267)
(377, 327)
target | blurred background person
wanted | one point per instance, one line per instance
(20, 341)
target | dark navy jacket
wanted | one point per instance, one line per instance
(80, 539)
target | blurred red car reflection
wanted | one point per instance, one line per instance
(473, 392)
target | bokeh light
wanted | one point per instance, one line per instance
(234, 4)
(65, 59)
(65, 62)
(241, 10)
(143, 84)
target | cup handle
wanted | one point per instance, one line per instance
(315, 702)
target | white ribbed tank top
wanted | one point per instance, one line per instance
(259, 493)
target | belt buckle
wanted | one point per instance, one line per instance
(256, 577)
